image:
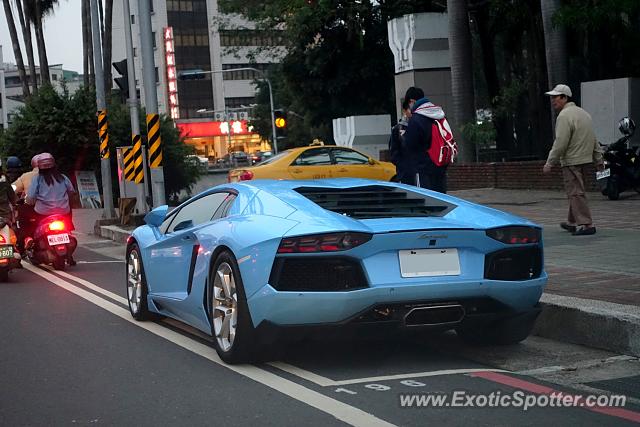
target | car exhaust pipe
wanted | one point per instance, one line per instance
(435, 315)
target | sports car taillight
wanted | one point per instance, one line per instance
(515, 234)
(333, 242)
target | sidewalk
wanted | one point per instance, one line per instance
(593, 294)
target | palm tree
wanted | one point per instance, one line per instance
(25, 23)
(39, 8)
(556, 43)
(461, 72)
(13, 33)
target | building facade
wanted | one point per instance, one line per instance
(212, 113)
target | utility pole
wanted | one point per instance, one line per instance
(151, 103)
(141, 203)
(105, 165)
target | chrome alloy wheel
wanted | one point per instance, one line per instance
(134, 282)
(225, 306)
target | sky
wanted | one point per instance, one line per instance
(62, 35)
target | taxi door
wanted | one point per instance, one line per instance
(314, 163)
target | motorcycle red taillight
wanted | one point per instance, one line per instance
(2, 239)
(515, 235)
(57, 226)
(332, 242)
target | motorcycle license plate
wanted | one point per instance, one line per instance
(6, 252)
(58, 239)
(604, 174)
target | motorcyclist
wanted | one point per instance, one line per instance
(14, 168)
(7, 198)
(22, 183)
(49, 193)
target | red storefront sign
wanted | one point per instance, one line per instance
(209, 129)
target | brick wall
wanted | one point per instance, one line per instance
(509, 175)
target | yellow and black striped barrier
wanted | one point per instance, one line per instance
(153, 140)
(127, 156)
(138, 170)
(102, 134)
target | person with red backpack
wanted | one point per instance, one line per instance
(428, 142)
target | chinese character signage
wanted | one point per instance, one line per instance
(172, 83)
(213, 128)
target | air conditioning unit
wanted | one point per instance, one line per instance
(243, 115)
(233, 116)
(219, 117)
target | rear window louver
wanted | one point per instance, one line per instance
(376, 202)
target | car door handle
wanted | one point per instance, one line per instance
(297, 171)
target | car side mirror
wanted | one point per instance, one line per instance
(156, 216)
(187, 223)
(372, 161)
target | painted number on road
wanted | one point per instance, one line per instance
(378, 387)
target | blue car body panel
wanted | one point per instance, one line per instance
(177, 265)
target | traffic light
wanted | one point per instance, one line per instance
(280, 120)
(123, 81)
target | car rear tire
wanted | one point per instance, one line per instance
(502, 332)
(137, 289)
(231, 326)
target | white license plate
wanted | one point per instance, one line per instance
(604, 174)
(429, 262)
(6, 252)
(58, 239)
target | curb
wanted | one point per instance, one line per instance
(112, 232)
(598, 324)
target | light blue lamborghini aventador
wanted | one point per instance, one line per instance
(240, 260)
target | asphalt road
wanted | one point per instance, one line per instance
(71, 354)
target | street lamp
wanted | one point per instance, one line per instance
(185, 75)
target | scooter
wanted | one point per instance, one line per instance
(52, 242)
(621, 166)
(9, 256)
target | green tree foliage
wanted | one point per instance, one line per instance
(338, 61)
(65, 125)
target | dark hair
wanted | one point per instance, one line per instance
(414, 93)
(405, 104)
(50, 175)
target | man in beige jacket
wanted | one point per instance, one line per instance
(574, 148)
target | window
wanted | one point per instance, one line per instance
(151, 6)
(349, 157)
(157, 76)
(199, 211)
(243, 74)
(133, 19)
(135, 52)
(153, 37)
(54, 77)
(313, 157)
(239, 101)
(250, 38)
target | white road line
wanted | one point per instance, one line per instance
(328, 382)
(416, 375)
(304, 374)
(100, 262)
(339, 410)
(98, 289)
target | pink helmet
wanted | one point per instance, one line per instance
(46, 161)
(34, 161)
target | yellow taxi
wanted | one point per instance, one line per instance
(316, 162)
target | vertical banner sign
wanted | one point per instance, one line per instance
(102, 134)
(137, 169)
(172, 77)
(153, 140)
(88, 189)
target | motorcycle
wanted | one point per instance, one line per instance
(52, 242)
(621, 164)
(9, 256)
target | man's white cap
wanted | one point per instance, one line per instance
(560, 90)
